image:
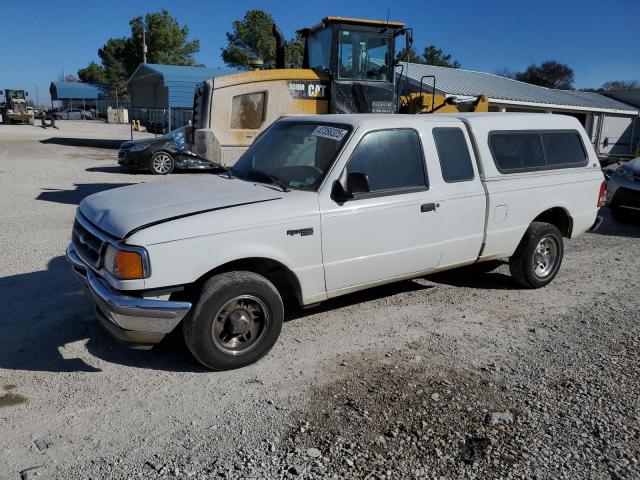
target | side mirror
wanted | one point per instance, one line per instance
(357, 182)
(349, 184)
(26, 94)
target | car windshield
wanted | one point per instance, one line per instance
(293, 155)
(177, 136)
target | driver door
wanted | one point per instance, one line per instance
(390, 231)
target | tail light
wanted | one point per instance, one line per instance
(602, 196)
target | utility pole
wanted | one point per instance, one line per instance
(37, 98)
(144, 43)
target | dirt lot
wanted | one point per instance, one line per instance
(457, 375)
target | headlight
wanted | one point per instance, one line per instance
(139, 147)
(628, 174)
(127, 264)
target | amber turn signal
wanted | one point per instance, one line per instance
(128, 265)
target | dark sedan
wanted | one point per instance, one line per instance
(623, 192)
(160, 155)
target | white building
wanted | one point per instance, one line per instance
(613, 125)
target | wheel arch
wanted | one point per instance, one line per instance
(558, 216)
(282, 277)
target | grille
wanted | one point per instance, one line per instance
(88, 246)
(122, 154)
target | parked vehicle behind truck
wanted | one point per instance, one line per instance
(321, 206)
(14, 107)
(348, 67)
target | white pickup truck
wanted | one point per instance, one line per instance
(320, 206)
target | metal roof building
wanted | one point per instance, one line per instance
(168, 87)
(613, 125)
(506, 91)
(69, 92)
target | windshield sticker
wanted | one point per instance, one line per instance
(333, 133)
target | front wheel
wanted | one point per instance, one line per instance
(161, 163)
(537, 259)
(236, 321)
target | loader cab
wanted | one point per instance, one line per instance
(358, 55)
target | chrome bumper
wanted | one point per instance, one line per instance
(138, 321)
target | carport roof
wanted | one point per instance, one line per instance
(75, 91)
(179, 84)
(452, 81)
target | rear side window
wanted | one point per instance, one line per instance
(391, 159)
(453, 152)
(247, 111)
(562, 148)
(540, 150)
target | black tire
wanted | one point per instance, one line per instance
(523, 263)
(166, 167)
(217, 294)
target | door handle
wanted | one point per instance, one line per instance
(429, 207)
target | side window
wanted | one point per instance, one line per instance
(453, 153)
(515, 152)
(563, 148)
(527, 151)
(319, 45)
(391, 159)
(247, 111)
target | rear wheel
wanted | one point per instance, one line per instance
(161, 163)
(537, 259)
(236, 321)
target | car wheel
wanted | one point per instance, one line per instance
(235, 322)
(161, 163)
(537, 259)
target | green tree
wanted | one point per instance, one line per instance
(93, 73)
(294, 52)
(252, 37)
(167, 43)
(620, 85)
(412, 58)
(550, 74)
(433, 55)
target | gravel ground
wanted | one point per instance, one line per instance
(457, 375)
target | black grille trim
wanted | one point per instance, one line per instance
(89, 247)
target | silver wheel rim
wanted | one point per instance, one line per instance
(240, 324)
(162, 163)
(545, 256)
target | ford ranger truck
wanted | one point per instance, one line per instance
(322, 206)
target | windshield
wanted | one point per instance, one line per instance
(178, 137)
(297, 154)
(364, 56)
(15, 94)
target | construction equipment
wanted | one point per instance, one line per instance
(14, 108)
(348, 67)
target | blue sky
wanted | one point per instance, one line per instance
(598, 39)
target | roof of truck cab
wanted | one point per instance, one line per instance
(490, 120)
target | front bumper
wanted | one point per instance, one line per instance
(140, 322)
(134, 160)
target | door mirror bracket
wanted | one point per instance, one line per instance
(348, 185)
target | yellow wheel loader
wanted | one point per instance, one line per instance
(14, 108)
(348, 67)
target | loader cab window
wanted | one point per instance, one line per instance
(363, 56)
(319, 45)
(247, 111)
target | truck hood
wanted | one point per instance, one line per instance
(123, 211)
